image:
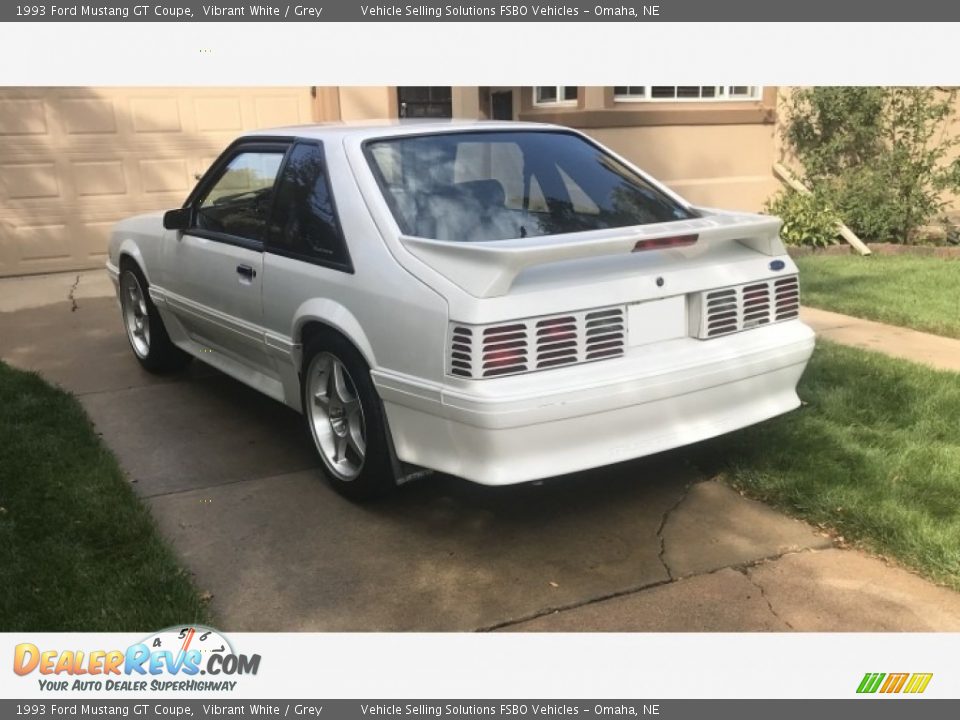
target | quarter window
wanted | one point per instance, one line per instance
(240, 201)
(305, 222)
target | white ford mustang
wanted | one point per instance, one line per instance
(498, 301)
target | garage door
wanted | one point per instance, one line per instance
(75, 160)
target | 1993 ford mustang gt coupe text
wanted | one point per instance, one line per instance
(498, 301)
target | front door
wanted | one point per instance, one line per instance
(214, 270)
(501, 105)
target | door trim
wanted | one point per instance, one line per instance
(179, 303)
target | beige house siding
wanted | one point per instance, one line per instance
(366, 103)
(725, 166)
(75, 160)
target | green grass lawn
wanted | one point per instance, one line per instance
(916, 292)
(874, 453)
(78, 550)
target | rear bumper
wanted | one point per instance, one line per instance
(658, 397)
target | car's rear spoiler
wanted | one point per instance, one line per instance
(488, 269)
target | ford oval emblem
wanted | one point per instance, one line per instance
(777, 264)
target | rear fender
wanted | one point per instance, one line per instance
(331, 313)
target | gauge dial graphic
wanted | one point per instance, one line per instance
(179, 639)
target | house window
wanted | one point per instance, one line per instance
(425, 102)
(684, 93)
(554, 95)
(630, 92)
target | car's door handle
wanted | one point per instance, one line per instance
(246, 271)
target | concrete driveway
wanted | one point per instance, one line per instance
(232, 481)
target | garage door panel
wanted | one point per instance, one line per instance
(99, 178)
(276, 111)
(75, 160)
(156, 115)
(218, 114)
(23, 116)
(65, 240)
(42, 242)
(86, 116)
(30, 180)
(94, 238)
(170, 175)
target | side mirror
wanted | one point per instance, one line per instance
(178, 219)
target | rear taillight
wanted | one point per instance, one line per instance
(742, 307)
(496, 362)
(504, 349)
(665, 242)
(540, 343)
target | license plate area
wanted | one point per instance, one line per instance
(657, 320)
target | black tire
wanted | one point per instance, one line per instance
(157, 353)
(373, 476)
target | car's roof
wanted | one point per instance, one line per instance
(389, 128)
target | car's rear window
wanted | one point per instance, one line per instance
(496, 185)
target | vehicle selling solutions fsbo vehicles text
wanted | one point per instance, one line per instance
(437, 11)
(516, 10)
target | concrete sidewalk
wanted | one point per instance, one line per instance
(933, 350)
(33, 291)
(231, 478)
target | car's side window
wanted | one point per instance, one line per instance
(305, 223)
(240, 201)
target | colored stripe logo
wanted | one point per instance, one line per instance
(890, 683)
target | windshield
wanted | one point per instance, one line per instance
(476, 186)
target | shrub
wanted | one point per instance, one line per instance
(879, 155)
(807, 219)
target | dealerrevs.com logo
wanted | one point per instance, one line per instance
(175, 659)
(894, 683)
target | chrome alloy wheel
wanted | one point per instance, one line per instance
(135, 316)
(336, 416)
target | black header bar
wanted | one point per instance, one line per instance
(487, 11)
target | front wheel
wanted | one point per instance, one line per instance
(345, 419)
(145, 331)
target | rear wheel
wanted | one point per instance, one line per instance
(345, 418)
(145, 330)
